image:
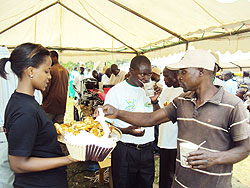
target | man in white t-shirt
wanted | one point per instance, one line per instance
(167, 140)
(77, 85)
(231, 84)
(106, 77)
(132, 159)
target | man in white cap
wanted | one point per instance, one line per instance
(156, 74)
(204, 113)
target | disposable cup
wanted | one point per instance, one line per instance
(149, 89)
(186, 148)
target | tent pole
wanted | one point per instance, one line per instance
(186, 46)
(8, 28)
(78, 49)
(147, 19)
(236, 65)
(220, 35)
(201, 39)
(96, 26)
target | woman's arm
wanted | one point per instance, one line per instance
(33, 164)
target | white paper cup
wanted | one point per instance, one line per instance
(186, 148)
(149, 89)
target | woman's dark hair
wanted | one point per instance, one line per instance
(24, 56)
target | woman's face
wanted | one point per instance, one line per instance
(41, 75)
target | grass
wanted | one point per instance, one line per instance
(241, 170)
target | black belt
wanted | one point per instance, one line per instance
(138, 146)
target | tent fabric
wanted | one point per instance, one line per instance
(107, 29)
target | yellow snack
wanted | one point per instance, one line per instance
(88, 124)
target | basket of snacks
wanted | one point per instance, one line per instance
(89, 139)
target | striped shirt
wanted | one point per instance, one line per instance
(220, 121)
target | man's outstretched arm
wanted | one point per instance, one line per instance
(139, 119)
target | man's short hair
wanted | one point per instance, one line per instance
(138, 60)
(245, 73)
(114, 66)
(54, 54)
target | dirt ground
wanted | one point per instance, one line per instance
(79, 177)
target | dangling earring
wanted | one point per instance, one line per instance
(31, 76)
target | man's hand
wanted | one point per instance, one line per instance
(201, 159)
(133, 130)
(110, 111)
(157, 92)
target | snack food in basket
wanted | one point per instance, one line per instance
(88, 124)
(85, 140)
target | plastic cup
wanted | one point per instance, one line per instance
(186, 148)
(149, 89)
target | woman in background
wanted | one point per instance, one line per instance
(34, 153)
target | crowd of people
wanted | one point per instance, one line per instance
(190, 105)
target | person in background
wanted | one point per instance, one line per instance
(34, 152)
(106, 77)
(97, 76)
(7, 87)
(204, 113)
(167, 141)
(155, 77)
(88, 73)
(132, 159)
(156, 74)
(72, 76)
(241, 93)
(117, 75)
(245, 78)
(55, 95)
(218, 81)
(77, 85)
(231, 84)
(104, 68)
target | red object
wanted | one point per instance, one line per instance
(101, 95)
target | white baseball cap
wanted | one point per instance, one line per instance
(82, 64)
(156, 70)
(196, 59)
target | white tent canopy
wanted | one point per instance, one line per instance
(107, 29)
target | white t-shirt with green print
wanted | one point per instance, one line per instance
(125, 96)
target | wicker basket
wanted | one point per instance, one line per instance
(95, 151)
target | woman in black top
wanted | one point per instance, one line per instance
(34, 153)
